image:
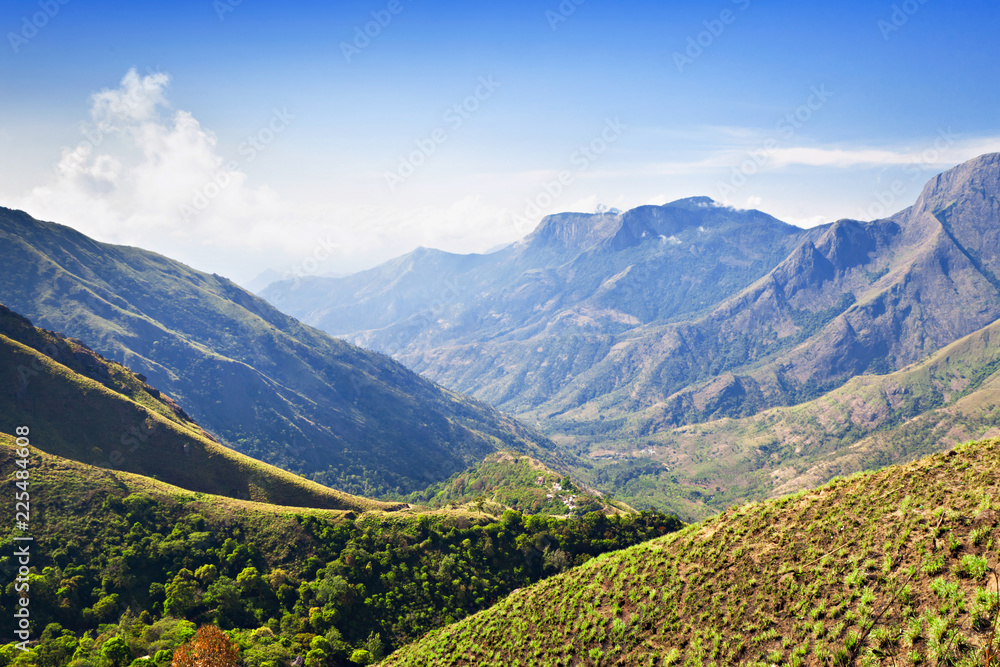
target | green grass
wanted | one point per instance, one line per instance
(119, 424)
(839, 572)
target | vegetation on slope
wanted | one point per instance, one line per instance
(509, 480)
(101, 413)
(896, 567)
(871, 422)
(119, 559)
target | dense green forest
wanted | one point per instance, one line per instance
(118, 556)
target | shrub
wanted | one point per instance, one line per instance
(361, 657)
(974, 567)
(210, 647)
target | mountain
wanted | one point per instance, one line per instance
(260, 381)
(79, 406)
(522, 326)
(895, 567)
(870, 422)
(610, 332)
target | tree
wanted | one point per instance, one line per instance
(316, 658)
(375, 647)
(210, 647)
(361, 657)
(182, 594)
(115, 651)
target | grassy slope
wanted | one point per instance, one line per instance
(888, 567)
(55, 393)
(57, 477)
(870, 422)
(77, 417)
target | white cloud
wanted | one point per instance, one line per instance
(134, 176)
(135, 100)
(149, 176)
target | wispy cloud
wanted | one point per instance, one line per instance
(849, 158)
(920, 150)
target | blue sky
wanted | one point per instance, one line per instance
(135, 122)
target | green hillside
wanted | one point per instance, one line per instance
(260, 381)
(896, 567)
(509, 480)
(80, 406)
(870, 422)
(118, 555)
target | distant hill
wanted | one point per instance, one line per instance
(261, 382)
(83, 407)
(892, 567)
(870, 422)
(510, 480)
(527, 327)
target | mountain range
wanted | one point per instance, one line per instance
(687, 356)
(611, 331)
(258, 380)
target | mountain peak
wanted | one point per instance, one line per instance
(978, 178)
(573, 230)
(694, 203)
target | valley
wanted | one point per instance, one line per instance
(200, 458)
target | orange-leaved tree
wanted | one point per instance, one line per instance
(210, 647)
